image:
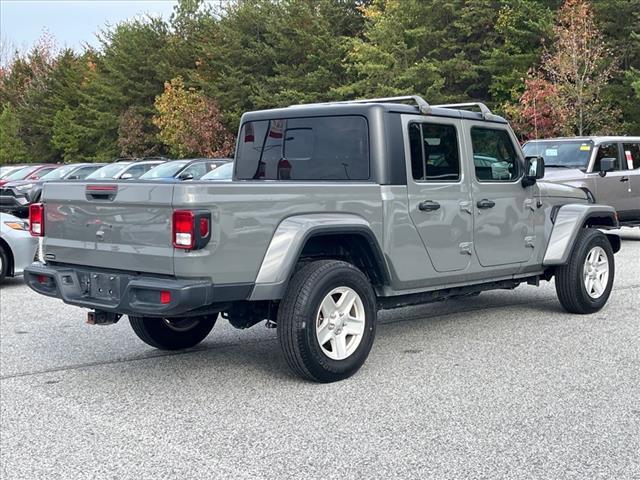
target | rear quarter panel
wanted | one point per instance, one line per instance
(245, 216)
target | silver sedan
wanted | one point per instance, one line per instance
(17, 246)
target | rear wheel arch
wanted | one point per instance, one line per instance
(355, 245)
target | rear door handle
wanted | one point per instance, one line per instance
(428, 206)
(624, 179)
(484, 203)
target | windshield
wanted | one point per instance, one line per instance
(224, 172)
(22, 173)
(572, 154)
(110, 171)
(59, 172)
(7, 170)
(167, 170)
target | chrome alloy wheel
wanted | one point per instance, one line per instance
(595, 272)
(340, 323)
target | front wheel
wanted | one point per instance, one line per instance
(172, 333)
(4, 264)
(327, 321)
(584, 284)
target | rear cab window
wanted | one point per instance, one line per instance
(333, 148)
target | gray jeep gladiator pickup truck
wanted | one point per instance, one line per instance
(335, 211)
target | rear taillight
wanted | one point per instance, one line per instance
(191, 229)
(36, 219)
(183, 229)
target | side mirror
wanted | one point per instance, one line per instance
(126, 176)
(534, 170)
(607, 164)
(186, 176)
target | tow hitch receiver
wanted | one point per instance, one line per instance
(100, 317)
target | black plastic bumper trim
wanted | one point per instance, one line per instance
(130, 294)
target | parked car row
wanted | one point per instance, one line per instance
(22, 185)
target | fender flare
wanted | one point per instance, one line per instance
(568, 220)
(288, 241)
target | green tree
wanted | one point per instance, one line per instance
(263, 54)
(12, 148)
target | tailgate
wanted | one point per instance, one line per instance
(128, 228)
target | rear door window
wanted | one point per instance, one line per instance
(631, 155)
(315, 148)
(434, 152)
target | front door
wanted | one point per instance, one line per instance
(615, 187)
(438, 189)
(503, 218)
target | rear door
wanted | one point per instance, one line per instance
(503, 219)
(438, 189)
(124, 226)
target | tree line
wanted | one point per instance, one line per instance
(178, 87)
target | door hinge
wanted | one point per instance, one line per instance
(530, 241)
(465, 248)
(466, 207)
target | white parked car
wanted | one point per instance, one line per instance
(17, 246)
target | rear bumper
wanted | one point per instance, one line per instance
(128, 293)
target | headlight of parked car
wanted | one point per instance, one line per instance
(22, 188)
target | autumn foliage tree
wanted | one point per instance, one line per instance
(190, 124)
(539, 114)
(573, 75)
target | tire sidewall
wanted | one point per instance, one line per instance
(340, 277)
(4, 268)
(596, 240)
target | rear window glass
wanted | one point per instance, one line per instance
(317, 148)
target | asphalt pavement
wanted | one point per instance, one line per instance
(505, 385)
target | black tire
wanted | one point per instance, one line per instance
(186, 332)
(570, 285)
(297, 320)
(4, 264)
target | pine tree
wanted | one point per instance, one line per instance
(12, 148)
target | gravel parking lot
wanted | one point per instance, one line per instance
(503, 385)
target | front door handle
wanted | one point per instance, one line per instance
(428, 206)
(624, 179)
(484, 203)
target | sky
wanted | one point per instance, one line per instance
(72, 23)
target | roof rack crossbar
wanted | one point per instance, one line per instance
(484, 110)
(420, 102)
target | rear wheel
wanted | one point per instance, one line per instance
(584, 284)
(172, 333)
(327, 321)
